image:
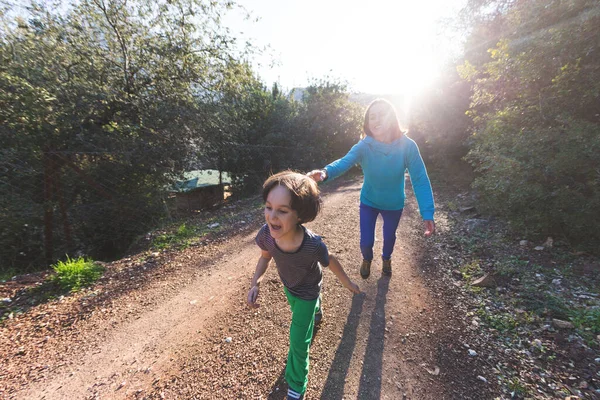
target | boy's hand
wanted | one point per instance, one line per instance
(317, 175)
(353, 287)
(253, 296)
(429, 227)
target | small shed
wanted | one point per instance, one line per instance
(200, 190)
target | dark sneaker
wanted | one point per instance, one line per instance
(293, 395)
(319, 316)
(387, 267)
(365, 269)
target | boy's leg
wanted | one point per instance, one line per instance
(301, 330)
(368, 218)
(391, 219)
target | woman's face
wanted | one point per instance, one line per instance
(381, 122)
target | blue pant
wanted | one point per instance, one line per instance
(368, 218)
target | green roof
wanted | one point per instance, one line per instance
(200, 178)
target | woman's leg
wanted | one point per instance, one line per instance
(301, 331)
(368, 218)
(391, 219)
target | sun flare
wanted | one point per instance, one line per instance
(380, 47)
(400, 56)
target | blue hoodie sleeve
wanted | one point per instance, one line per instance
(420, 181)
(338, 167)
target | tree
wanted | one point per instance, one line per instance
(269, 132)
(329, 123)
(438, 121)
(100, 107)
(536, 111)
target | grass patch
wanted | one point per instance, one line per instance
(7, 274)
(544, 304)
(475, 289)
(517, 388)
(184, 235)
(587, 322)
(470, 270)
(180, 238)
(74, 274)
(512, 266)
(452, 206)
(502, 322)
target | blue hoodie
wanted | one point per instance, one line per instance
(383, 165)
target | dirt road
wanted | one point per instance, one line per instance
(183, 330)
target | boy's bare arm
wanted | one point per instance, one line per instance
(261, 268)
(336, 268)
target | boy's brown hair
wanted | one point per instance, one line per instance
(306, 199)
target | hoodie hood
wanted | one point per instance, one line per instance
(384, 148)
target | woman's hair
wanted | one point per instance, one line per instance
(306, 200)
(397, 132)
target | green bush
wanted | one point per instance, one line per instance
(73, 275)
(544, 180)
(536, 123)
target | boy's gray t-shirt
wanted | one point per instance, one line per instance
(300, 271)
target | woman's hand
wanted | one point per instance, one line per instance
(253, 296)
(317, 175)
(429, 227)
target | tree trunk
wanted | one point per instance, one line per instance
(63, 209)
(48, 207)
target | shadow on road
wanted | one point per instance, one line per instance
(370, 376)
(334, 386)
(279, 389)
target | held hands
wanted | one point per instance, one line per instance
(253, 296)
(429, 227)
(317, 175)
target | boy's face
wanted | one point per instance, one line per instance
(282, 220)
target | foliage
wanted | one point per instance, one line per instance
(266, 130)
(501, 321)
(76, 274)
(179, 237)
(102, 104)
(105, 103)
(544, 303)
(329, 124)
(470, 270)
(587, 320)
(511, 266)
(438, 122)
(536, 113)
(517, 388)
(182, 236)
(7, 274)
(240, 132)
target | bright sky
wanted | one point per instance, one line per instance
(381, 46)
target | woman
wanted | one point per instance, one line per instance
(384, 153)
